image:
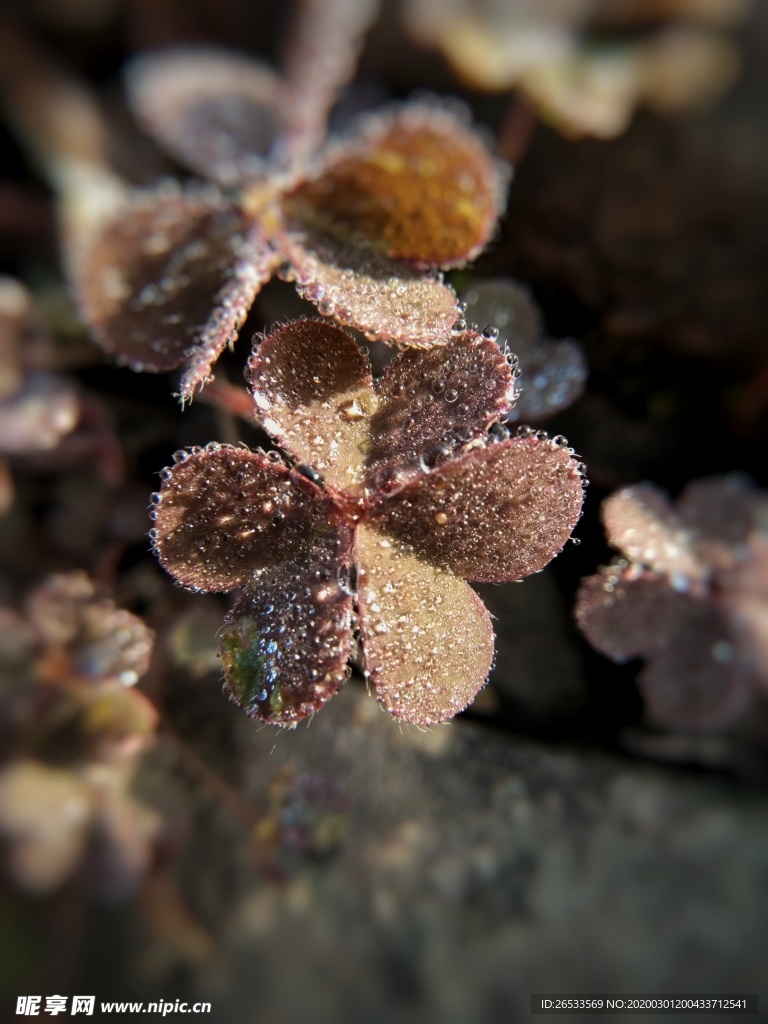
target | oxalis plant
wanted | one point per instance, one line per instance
(391, 496)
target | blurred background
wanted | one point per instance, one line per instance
(157, 843)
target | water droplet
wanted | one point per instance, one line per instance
(352, 410)
(451, 395)
(491, 333)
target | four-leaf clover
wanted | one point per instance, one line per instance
(397, 494)
(364, 229)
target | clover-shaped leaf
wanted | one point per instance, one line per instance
(170, 280)
(216, 111)
(553, 373)
(693, 602)
(392, 501)
(364, 231)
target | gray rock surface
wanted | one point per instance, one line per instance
(479, 868)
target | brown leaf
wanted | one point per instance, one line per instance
(416, 184)
(216, 111)
(170, 279)
(552, 373)
(357, 285)
(495, 514)
(720, 512)
(629, 613)
(431, 402)
(314, 395)
(222, 514)
(285, 644)
(427, 637)
(321, 59)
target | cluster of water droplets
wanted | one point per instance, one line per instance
(359, 286)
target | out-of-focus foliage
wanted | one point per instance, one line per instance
(585, 65)
(692, 600)
(553, 373)
(73, 733)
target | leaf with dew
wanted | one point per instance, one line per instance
(426, 635)
(170, 280)
(285, 644)
(416, 184)
(643, 524)
(495, 514)
(222, 514)
(432, 402)
(353, 283)
(217, 111)
(314, 395)
(553, 373)
(630, 613)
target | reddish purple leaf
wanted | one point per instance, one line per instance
(629, 613)
(314, 395)
(698, 681)
(356, 285)
(553, 373)
(285, 644)
(432, 402)
(216, 111)
(225, 513)
(426, 635)
(171, 279)
(494, 514)
(643, 524)
(415, 183)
